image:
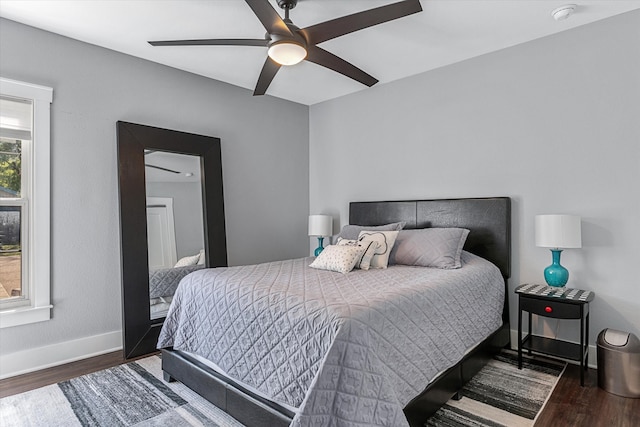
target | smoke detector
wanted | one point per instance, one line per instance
(563, 12)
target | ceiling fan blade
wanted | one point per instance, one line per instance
(348, 24)
(270, 19)
(329, 60)
(212, 42)
(267, 74)
(161, 168)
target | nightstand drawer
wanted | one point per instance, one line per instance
(556, 309)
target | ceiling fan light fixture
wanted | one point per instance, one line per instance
(287, 52)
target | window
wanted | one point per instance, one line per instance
(24, 203)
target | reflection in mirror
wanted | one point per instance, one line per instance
(175, 228)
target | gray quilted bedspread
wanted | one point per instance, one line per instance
(164, 282)
(345, 349)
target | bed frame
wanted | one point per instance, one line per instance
(489, 222)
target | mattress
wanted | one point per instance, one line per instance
(344, 349)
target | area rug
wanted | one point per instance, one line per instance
(503, 395)
(127, 395)
(135, 395)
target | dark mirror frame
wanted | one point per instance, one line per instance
(139, 331)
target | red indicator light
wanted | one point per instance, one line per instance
(548, 309)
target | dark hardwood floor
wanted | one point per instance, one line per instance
(570, 404)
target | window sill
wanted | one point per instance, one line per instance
(23, 316)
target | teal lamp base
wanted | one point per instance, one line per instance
(555, 274)
(319, 249)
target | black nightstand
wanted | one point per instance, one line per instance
(559, 303)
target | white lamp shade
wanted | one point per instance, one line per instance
(320, 225)
(558, 231)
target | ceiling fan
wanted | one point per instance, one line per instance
(146, 152)
(289, 45)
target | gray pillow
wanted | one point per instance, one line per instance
(351, 232)
(429, 247)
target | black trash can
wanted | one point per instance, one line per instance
(619, 363)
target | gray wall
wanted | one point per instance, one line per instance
(187, 213)
(553, 123)
(266, 200)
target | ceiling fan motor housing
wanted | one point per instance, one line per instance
(287, 4)
(297, 36)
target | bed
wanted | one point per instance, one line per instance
(359, 370)
(162, 286)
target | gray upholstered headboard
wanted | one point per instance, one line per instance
(488, 219)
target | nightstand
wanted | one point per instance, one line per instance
(558, 303)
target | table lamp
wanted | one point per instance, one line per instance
(320, 226)
(557, 232)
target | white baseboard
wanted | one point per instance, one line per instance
(593, 354)
(34, 359)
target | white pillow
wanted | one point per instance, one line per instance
(369, 249)
(202, 259)
(385, 240)
(187, 261)
(338, 258)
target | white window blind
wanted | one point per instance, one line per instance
(15, 118)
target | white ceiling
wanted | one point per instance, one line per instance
(445, 32)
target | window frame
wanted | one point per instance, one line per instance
(36, 236)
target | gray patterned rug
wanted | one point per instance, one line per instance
(135, 395)
(128, 395)
(501, 395)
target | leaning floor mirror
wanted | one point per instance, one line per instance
(171, 222)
